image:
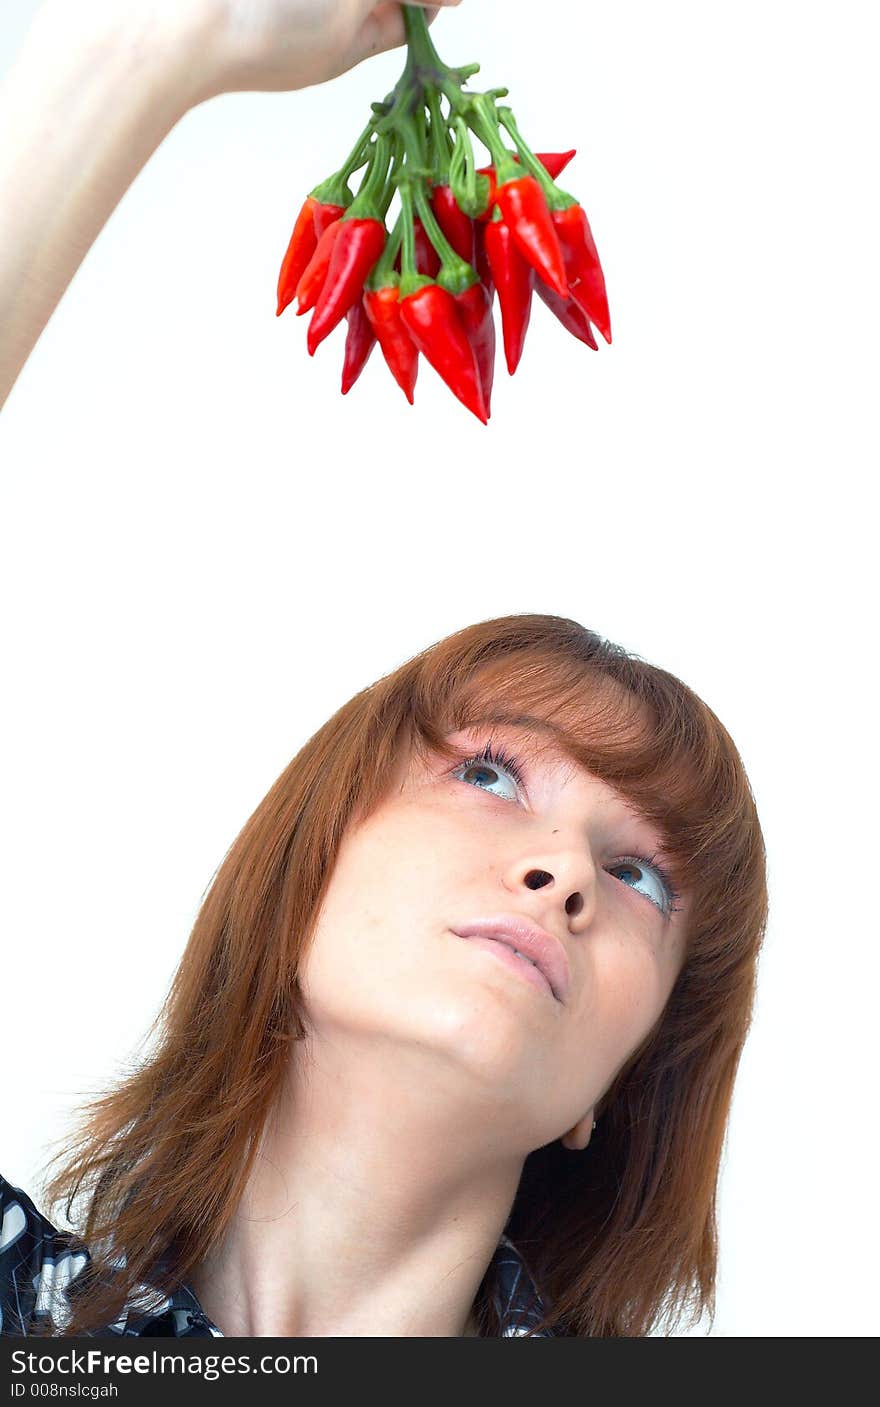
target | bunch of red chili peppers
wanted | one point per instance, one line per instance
(462, 234)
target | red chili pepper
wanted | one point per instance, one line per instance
(359, 343)
(308, 290)
(586, 281)
(312, 221)
(303, 243)
(569, 313)
(514, 279)
(521, 202)
(475, 308)
(434, 323)
(457, 227)
(324, 215)
(553, 162)
(382, 307)
(427, 258)
(355, 251)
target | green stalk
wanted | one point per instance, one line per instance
(419, 42)
(556, 198)
(410, 278)
(384, 273)
(484, 122)
(470, 190)
(413, 174)
(398, 157)
(335, 190)
(440, 145)
(359, 152)
(408, 248)
(368, 203)
(455, 274)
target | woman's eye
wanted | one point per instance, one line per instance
(487, 776)
(646, 879)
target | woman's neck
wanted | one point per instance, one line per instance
(365, 1215)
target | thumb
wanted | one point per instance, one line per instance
(383, 28)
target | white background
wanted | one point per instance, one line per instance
(206, 550)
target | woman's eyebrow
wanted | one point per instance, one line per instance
(522, 721)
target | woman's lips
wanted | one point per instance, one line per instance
(526, 970)
(515, 931)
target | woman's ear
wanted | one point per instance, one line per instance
(579, 1135)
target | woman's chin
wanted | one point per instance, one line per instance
(484, 1026)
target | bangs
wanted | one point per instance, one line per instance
(635, 727)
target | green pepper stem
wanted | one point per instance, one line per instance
(359, 153)
(485, 124)
(335, 190)
(398, 157)
(410, 278)
(440, 144)
(432, 229)
(470, 190)
(368, 202)
(411, 129)
(556, 199)
(418, 38)
(384, 273)
(408, 248)
(455, 273)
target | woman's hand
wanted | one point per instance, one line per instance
(276, 45)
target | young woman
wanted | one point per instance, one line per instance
(452, 1046)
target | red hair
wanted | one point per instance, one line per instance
(617, 1237)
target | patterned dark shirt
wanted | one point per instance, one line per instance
(38, 1262)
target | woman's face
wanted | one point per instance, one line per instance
(522, 833)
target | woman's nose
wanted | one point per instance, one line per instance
(540, 879)
(571, 876)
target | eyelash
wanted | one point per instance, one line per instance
(674, 907)
(497, 757)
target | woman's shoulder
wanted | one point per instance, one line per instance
(37, 1262)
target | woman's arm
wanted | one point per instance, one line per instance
(98, 85)
(81, 111)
